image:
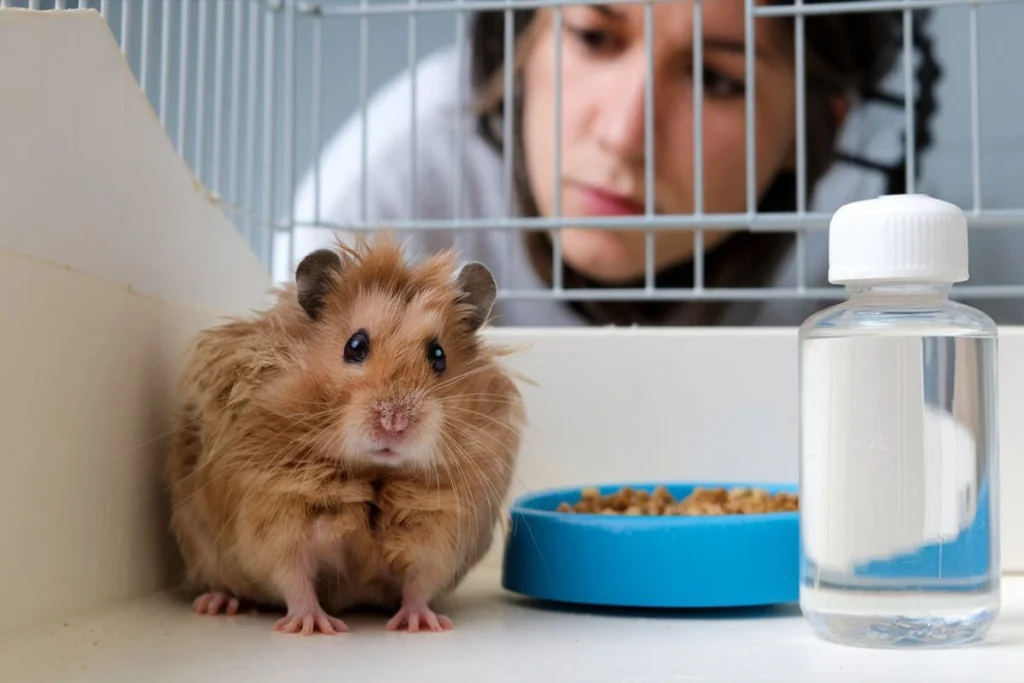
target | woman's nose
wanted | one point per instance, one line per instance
(620, 121)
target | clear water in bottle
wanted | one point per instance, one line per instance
(899, 467)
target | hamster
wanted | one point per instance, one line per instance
(350, 446)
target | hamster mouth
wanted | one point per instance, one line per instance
(386, 455)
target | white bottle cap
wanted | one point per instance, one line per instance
(905, 238)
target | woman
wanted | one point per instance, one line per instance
(460, 172)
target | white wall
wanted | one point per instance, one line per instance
(88, 178)
(110, 258)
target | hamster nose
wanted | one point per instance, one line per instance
(392, 420)
(395, 422)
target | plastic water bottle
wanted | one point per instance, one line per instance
(899, 437)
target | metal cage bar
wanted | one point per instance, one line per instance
(556, 210)
(800, 59)
(507, 128)
(220, 31)
(126, 26)
(413, 26)
(266, 239)
(201, 70)
(364, 98)
(251, 134)
(460, 139)
(908, 99)
(288, 121)
(771, 222)
(975, 96)
(698, 141)
(316, 110)
(183, 52)
(649, 185)
(147, 11)
(750, 98)
(235, 114)
(165, 60)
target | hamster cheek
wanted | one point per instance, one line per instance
(428, 446)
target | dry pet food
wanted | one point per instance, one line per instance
(714, 501)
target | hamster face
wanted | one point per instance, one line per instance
(393, 358)
(390, 353)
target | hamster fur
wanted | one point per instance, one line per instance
(351, 446)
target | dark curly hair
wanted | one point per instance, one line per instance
(845, 55)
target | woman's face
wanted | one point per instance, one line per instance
(602, 169)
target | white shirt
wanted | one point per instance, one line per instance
(445, 165)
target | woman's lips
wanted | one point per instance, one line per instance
(597, 202)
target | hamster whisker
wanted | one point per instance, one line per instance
(293, 418)
(459, 456)
(510, 468)
(469, 411)
(475, 398)
(461, 376)
(460, 451)
(500, 499)
(494, 497)
(459, 541)
(451, 480)
(509, 427)
(437, 480)
(497, 460)
(338, 442)
(482, 394)
(454, 421)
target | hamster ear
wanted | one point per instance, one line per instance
(313, 277)
(480, 290)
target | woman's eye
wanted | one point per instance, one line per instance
(435, 356)
(594, 40)
(357, 347)
(718, 84)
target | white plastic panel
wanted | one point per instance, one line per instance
(89, 179)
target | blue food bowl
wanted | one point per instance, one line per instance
(651, 561)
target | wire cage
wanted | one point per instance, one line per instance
(253, 92)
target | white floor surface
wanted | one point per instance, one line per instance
(498, 637)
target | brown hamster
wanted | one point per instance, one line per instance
(351, 446)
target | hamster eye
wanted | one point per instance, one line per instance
(357, 347)
(435, 356)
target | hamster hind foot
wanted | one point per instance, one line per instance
(309, 618)
(305, 615)
(213, 602)
(416, 611)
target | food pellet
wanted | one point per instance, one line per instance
(701, 502)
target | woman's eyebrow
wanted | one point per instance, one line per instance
(733, 45)
(607, 11)
(717, 43)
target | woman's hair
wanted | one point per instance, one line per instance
(846, 55)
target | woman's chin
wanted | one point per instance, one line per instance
(603, 255)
